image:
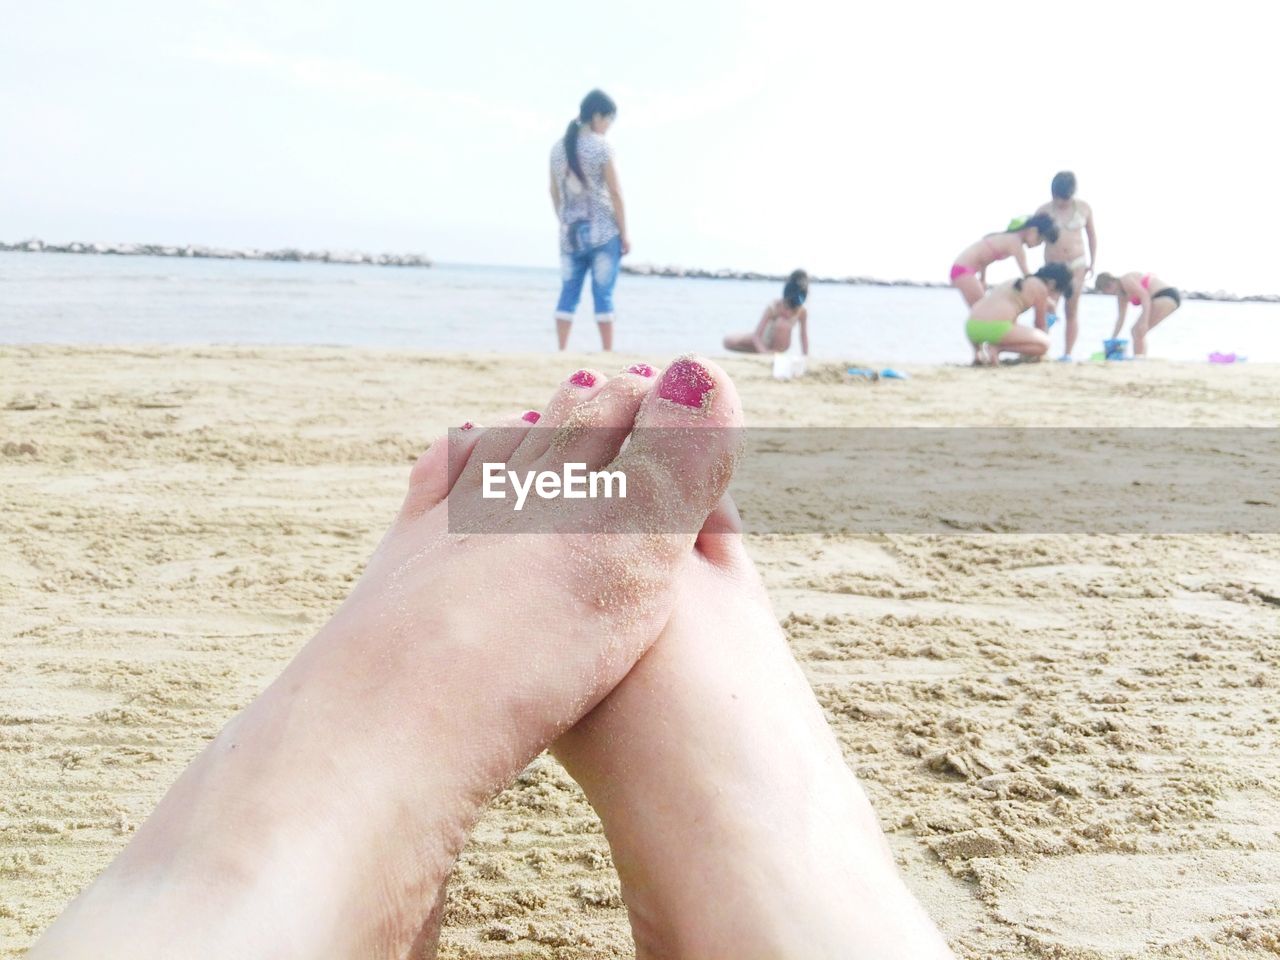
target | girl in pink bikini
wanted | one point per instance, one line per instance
(969, 272)
(1156, 298)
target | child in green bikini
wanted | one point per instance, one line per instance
(993, 327)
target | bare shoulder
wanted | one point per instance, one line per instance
(1045, 208)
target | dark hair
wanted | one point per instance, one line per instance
(796, 289)
(594, 104)
(1042, 222)
(1064, 185)
(1060, 274)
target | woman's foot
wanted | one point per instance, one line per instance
(324, 819)
(736, 827)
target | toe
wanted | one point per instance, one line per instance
(720, 539)
(575, 390)
(497, 443)
(594, 430)
(436, 471)
(684, 445)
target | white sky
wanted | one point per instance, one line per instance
(875, 139)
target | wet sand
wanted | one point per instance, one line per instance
(1071, 739)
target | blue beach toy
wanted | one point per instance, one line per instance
(1114, 349)
(1050, 320)
(863, 372)
(888, 374)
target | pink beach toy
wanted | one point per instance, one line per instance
(1226, 358)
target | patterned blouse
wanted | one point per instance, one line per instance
(588, 203)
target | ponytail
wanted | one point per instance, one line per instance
(594, 104)
(571, 148)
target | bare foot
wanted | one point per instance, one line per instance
(323, 820)
(736, 827)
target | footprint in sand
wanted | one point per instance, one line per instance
(1119, 904)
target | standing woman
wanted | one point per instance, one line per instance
(588, 204)
(1144, 290)
(1074, 219)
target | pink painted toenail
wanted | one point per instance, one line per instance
(467, 426)
(687, 383)
(532, 416)
(641, 368)
(583, 378)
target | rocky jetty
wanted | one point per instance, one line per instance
(220, 253)
(649, 270)
(1228, 297)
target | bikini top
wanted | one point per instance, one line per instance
(1146, 285)
(1077, 220)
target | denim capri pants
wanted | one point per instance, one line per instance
(602, 262)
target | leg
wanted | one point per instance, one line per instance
(323, 820)
(573, 270)
(1073, 311)
(604, 275)
(741, 343)
(983, 355)
(736, 827)
(970, 287)
(1161, 307)
(1027, 341)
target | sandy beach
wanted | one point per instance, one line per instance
(1073, 741)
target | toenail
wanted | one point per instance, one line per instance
(687, 383)
(641, 368)
(468, 426)
(583, 378)
(531, 416)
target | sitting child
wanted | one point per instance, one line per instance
(773, 333)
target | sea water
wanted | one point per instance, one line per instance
(66, 298)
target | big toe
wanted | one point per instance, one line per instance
(684, 446)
